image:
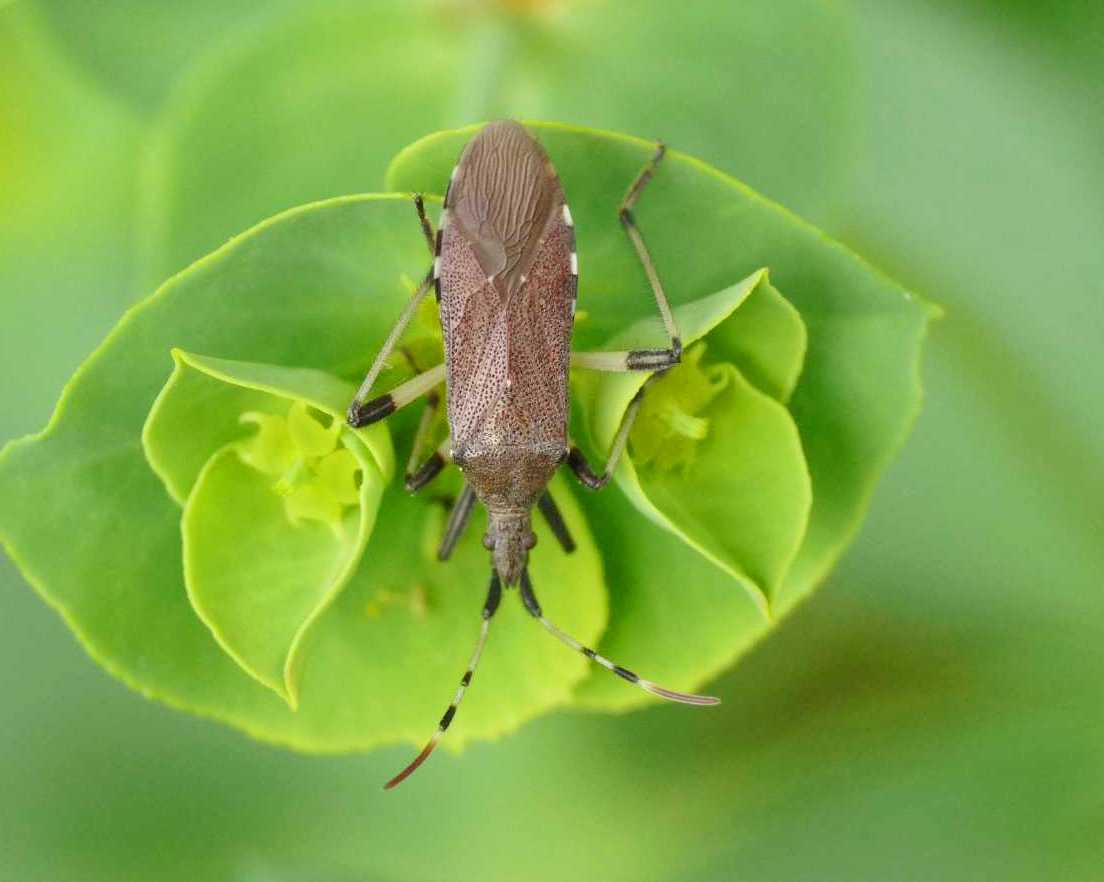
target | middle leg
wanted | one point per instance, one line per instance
(639, 359)
(366, 413)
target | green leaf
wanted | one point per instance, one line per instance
(262, 563)
(94, 530)
(743, 497)
(859, 389)
(258, 580)
(744, 501)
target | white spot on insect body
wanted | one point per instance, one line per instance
(437, 267)
(574, 264)
(455, 169)
(567, 216)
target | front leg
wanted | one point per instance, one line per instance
(360, 412)
(363, 413)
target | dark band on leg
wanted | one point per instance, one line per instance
(494, 595)
(577, 462)
(457, 522)
(527, 595)
(551, 512)
(360, 415)
(429, 470)
(427, 227)
(655, 359)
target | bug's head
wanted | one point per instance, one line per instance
(509, 537)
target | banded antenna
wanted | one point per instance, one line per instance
(494, 595)
(531, 604)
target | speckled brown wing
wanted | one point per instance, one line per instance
(507, 290)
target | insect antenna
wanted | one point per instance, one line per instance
(531, 604)
(494, 595)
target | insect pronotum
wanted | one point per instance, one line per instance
(506, 278)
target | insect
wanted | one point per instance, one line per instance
(506, 278)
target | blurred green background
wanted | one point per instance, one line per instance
(934, 712)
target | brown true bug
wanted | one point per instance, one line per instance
(506, 277)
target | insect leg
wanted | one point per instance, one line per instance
(357, 409)
(577, 462)
(427, 227)
(428, 470)
(531, 604)
(649, 359)
(628, 359)
(457, 522)
(494, 595)
(364, 413)
(639, 359)
(551, 512)
(419, 473)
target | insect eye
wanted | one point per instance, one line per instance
(531, 541)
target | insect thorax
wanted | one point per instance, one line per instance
(509, 480)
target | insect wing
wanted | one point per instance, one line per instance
(507, 290)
